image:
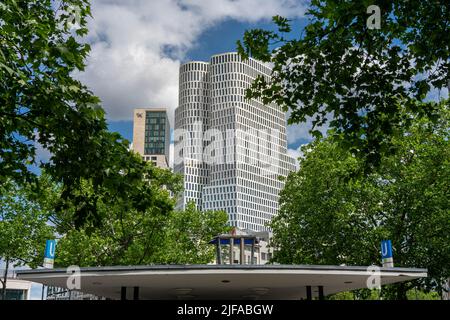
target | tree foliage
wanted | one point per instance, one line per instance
(188, 234)
(329, 215)
(412, 294)
(130, 234)
(151, 237)
(23, 230)
(342, 72)
(41, 103)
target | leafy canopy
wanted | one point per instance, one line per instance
(129, 234)
(341, 72)
(23, 227)
(151, 237)
(41, 103)
(329, 215)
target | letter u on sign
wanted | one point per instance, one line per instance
(386, 249)
(50, 246)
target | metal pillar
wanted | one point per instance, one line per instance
(242, 249)
(231, 251)
(123, 293)
(252, 251)
(308, 293)
(219, 251)
(136, 293)
(259, 255)
(321, 297)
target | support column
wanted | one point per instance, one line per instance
(218, 251)
(242, 249)
(123, 293)
(321, 297)
(252, 251)
(308, 293)
(259, 254)
(231, 250)
(136, 293)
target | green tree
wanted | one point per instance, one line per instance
(329, 215)
(40, 102)
(412, 294)
(187, 235)
(127, 236)
(340, 70)
(23, 230)
(126, 223)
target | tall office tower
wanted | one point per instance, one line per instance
(230, 150)
(151, 135)
(191, 120)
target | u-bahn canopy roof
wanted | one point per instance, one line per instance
(220, 281)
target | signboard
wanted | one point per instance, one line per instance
(386, 254)
(49, 256)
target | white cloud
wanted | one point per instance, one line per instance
(300, 132)
(42, 154)
(129, 66)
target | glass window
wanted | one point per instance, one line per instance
(15, 294)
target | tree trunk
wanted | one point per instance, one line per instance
(5, 278)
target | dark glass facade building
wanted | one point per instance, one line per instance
(155, 132)
(151, 135)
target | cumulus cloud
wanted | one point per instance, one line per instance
(137, 45)
(299, 133)
(42, 154)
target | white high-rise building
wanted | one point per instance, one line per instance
(230, 150)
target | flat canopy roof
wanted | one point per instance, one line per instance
(220, 281)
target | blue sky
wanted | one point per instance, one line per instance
(216, 39)
(138, 46)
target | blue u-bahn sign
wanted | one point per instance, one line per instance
(50, 246)
(49, 255)
(386, 249)
(386, 254)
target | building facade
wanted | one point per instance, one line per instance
(261, 252)
(56, 293)
(17, 289)
(230, 150)
(151, 135)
